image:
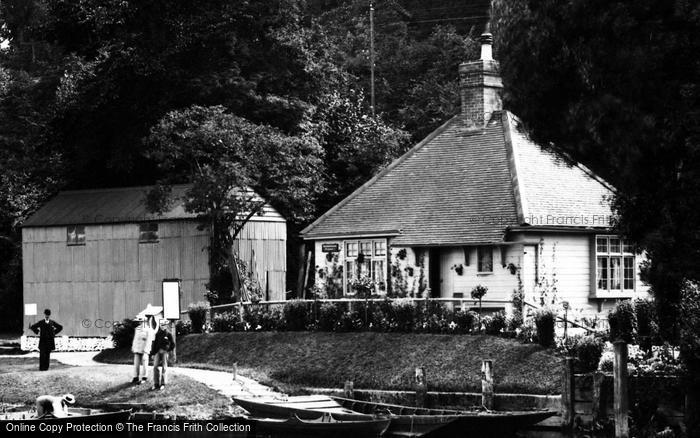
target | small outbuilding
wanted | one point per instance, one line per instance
(98, 256)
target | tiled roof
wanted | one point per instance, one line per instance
(452, 188)
(117, 205)
(554, 193)
(467, 186)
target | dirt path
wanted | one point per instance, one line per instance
(217, 380)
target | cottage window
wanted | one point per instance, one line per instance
(615, 264)
(484, 259)
(75, 235)
(148, 232)
(365, 259)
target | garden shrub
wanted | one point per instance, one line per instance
(623, 322)
(526, 332)
(198, 315)
(296, 315)
(259, 318)
(328, 316)
(183, 327)
(647, 325)
(465, 320)
(227, 322)
(402, 316)
(587, 351)
(495, 324)
(544, 322)
(607, 362)
(433, 317)
(349, 322)
(123, 333)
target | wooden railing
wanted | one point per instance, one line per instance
(559, 318)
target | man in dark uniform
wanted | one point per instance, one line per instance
(47, 329)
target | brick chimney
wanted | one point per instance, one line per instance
(480, 85)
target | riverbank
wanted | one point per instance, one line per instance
(99, 386)
(292, 360)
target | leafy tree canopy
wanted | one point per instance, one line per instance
(615, 85)
(232, 163)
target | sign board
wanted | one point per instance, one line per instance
(171, 299)
(30, 309)
(330, 247)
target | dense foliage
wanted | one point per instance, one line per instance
(88, 90)
(544, 322)
(397, 316)
(622, 79)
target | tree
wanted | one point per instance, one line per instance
(622, 80)
(417, 87)
(133, 62)
(615, 85)
(478, 293)
(356, 145)
(235, 167)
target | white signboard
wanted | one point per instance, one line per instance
(171, 299)
(30, 309)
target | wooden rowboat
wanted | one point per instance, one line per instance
(408, 421)
(305, 407)
(324, 425)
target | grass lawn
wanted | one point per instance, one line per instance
(372, 360)
(21, 382)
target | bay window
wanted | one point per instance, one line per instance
(366, 259)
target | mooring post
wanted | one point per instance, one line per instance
(349, 390)
(568, 392)
(421, 386)
(487, 384)
(597, 411)
(234, 370)
(621, 393)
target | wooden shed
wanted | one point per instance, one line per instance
(98, 256)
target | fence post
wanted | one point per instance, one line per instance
(487, 384)
(597, 412)
(421, 386)
(568, 392)
(349, 391)
(621, 393)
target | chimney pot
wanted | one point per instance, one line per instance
(480, 85)
(486, 40)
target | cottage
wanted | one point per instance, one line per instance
(478, 203)
(98, 256)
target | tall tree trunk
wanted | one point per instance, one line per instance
(235, 274)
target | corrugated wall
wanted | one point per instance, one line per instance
(113, 276)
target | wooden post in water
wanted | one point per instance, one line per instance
(487, 384)
(234, 370)
(349, 391)
(598, 412)
(421, 387)
(621, 392)
(568, 392)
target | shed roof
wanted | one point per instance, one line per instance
(466, 186)
(116, 205)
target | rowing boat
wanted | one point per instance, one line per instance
(409, 421)
(324, 425)
(305, 407)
